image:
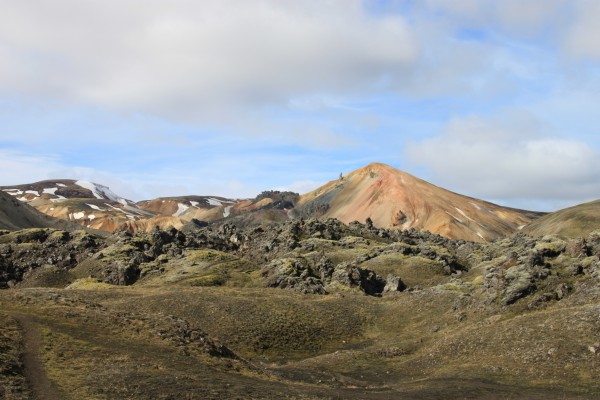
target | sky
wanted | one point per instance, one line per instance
(495, 99)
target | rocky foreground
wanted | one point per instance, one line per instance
(302, 309)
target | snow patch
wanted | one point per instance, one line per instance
(77, 215)
(92, 217)
(477, 206)
(481, 208)
(50, 191)
(194, 203)
(463, 213)
(127, 214)
(61, 185)
(181, 208)
(137, 210)
(227, 211)
(13, 192)
(521, 227)
(93, 206)
(101, 192)
(456, 218)
(33, 192)
(214, 202)
(23, 199)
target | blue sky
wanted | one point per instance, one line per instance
(494, 99)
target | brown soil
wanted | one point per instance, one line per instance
(40, 385)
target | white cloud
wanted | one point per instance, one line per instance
(509, 157)
(189, 59)
(570, 25)
(582, 39)
(512, 16)
(17, 168)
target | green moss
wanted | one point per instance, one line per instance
(478, 281)
(34, 235)
(119, 251)
(414, 271)
(208, 255)
(59, 236)
(89, 284)
(551, 247)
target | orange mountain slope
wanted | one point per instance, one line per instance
(392, 198)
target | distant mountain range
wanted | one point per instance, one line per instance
(389, 197)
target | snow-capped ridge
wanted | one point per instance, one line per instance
(102, 192)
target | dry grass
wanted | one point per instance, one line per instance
(103, 344)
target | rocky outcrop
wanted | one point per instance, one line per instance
(23, 252)
(300, 255)
(189, 338)
(293, 273)
(299, 275)
(534, 267)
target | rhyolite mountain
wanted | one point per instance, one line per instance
(393, 198)
(390, 198)
(85, 203)
(95, 206)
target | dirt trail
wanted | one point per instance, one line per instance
(39, 383)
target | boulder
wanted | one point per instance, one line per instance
(393, 284)
(577, 248)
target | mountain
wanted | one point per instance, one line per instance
(392, 198)
(15, 215)
(389, 197)
(88, 204)
(95, 206)
(206, 208)
(577, 221)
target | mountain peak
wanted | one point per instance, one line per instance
(375, 167)
(383, 172)
(393, 198)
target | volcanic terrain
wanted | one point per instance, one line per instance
(270, 298)
(388, 197)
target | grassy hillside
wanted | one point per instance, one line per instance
(577, 221)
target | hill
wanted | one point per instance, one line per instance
(392, 198)
(577, 221)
